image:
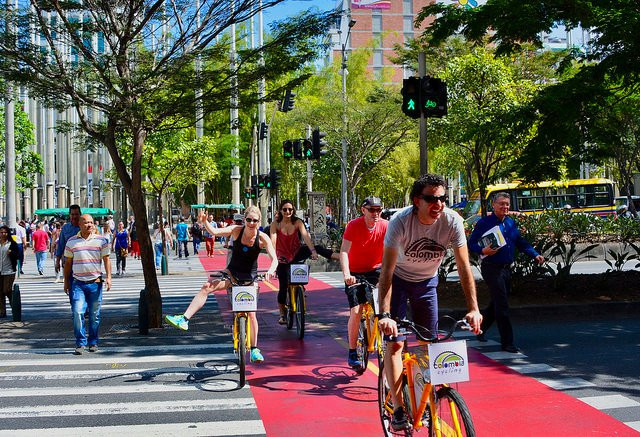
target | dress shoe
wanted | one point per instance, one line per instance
(481, 338)
(511, 349)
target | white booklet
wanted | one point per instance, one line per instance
(493, 238)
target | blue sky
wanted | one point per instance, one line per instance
(289, 8)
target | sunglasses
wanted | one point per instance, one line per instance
(430, 198)
(374, 210)
(250, 220)
(287, 209)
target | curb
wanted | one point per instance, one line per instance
(598, 310)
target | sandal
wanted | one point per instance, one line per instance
(282, 320)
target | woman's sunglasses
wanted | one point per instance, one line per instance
(250, 220)
(287, 209)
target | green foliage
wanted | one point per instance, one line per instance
(618, 258)
(28, 162)
(560, 115)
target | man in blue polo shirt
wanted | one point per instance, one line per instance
(182, 235)
(496, 267)
(69, 229)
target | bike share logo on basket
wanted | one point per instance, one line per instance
(448, 362)
(244, 298)
(299, 274)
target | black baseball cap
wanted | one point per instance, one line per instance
(372, 201)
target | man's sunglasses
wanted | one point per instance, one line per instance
(287, 209)
(374, 210)
(250, 220)
(430, 198)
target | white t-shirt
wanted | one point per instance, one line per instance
(20, 234)
(421, 248)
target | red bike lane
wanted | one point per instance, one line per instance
(305, 385)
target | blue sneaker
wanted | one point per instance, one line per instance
(256, 356)
(178, 322)
(353, 360)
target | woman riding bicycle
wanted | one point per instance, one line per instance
(242, 266)
(286, 231)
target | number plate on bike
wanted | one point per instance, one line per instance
(244, 298)
(299, 274)
(448, 362)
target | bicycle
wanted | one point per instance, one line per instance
(296, 305)
(369, 336)
(244, 299)
(441, 408)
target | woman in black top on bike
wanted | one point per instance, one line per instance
(242, 266)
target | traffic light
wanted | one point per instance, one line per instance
(263, 181)
(308, 149)
(254, 180)
(263, 130)
(287, 147)
(433, 97)
(248, 193)
(411, 97)
(289, 101)
(297, 150)
(318, 144)
(274, 178)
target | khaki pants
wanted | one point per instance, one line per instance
(6, 290)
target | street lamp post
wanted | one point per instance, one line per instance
(343, 161)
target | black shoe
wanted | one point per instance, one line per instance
(511, 349)
(21, 272)
(40, 272)
(399, 421)
(481, 337)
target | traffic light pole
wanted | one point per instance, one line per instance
(424, 158)
(10, 145)
(309, 168)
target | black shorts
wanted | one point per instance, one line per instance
(357, 294)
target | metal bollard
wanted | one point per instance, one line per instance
(143, 313)
(16, 304)
(164, 265)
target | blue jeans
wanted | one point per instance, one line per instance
(82, 296)
(196, 245)
(40, 259)
(182, 243)
(158, 248)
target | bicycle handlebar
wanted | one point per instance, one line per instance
(261, 276)
(406, 324)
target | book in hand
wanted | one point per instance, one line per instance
(493, 238)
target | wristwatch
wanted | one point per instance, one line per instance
(385, 315)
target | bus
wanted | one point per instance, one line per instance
(593, 196)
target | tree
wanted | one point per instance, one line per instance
(28, 162)
(133, 64)
(375, 126)
(561, 111)
(616, 131)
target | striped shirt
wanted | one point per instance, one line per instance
(87, 255)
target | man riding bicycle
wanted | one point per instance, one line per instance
(414, 247)
(361, 254)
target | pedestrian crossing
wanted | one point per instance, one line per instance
(166, 389)
(44, 298)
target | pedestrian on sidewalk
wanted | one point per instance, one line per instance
(182, 235)
(196, 235)
(133, 236)
(8, 265)
(496, 267)
(120, 245)
(21, 240)
(40, 243)
(83, 281)
(209, 239)
(69, 229)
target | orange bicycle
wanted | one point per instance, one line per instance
(436, 406)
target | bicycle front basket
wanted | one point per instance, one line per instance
(244, 298)
(299, 274)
